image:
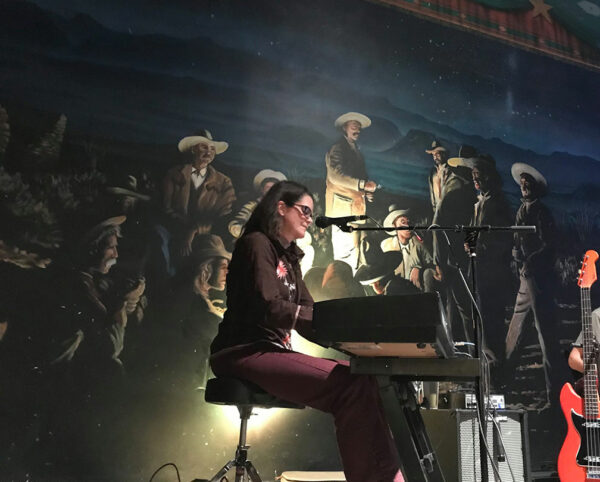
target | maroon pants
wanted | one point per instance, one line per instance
(364, 438)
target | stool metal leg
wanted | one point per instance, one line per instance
(254, 477)
(241, 463)
(221, 473)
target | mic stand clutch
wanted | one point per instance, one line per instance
(471, 237)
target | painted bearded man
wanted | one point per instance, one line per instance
(348, 186)
(195, 195)
(534, 254)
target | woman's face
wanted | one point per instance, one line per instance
(219, 277)
(296, 218)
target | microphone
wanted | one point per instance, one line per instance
(324, 221)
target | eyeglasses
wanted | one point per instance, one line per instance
(305, 210)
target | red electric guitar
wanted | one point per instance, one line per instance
(579, 458)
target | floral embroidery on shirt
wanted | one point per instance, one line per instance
(281, 271)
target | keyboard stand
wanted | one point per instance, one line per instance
(418, 459)
(393, 374)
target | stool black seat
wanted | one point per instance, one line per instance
(245, 396)
(238, 392)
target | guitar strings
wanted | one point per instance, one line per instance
(591, 385)
(587, 417)
(590, 389)
(585, 381)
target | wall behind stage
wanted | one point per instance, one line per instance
(93, 93)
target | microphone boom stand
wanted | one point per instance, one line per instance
(471, 238)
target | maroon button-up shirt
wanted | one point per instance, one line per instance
(266, 296)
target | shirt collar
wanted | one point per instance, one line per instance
(290, 250)
(404, 247)
(528, 202)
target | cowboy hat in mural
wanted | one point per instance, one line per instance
(469, 157)
(203, 135)
(436, 146)
(98, 230)
(378, 265)
(362, 119)
(210, 246)
(520, 168)
(394, 212)
(267, 175)
(131, 189)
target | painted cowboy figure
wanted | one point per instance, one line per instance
(533, 253)
(453, 197)
(94, 308)
(195, 195)
(195, 312)
(492, 249)
(416, 264)
(348, 185)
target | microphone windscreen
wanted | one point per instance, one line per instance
(322, 222)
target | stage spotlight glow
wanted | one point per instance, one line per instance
(260, 417)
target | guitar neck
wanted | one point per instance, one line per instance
(590, 372)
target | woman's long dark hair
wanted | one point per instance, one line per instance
(265, 217)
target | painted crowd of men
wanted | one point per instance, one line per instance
(464, 190)
(173, 265)
(197, 209)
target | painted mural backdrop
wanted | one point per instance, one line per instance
(95, 98)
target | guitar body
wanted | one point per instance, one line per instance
(572, 465)
(579, 457)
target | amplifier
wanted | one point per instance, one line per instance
(454, 436)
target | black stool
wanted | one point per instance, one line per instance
(246, 396)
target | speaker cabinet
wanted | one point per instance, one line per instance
(454, 436)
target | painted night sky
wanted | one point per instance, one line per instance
(270, 77)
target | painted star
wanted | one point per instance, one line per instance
(540, 8)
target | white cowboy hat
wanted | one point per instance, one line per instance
(519, 168)
(202, 135)
(394, 212)
(363, 120)
(265, 174)
(91, 234)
